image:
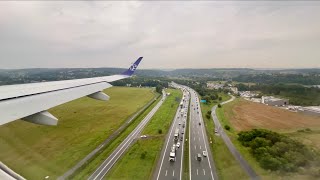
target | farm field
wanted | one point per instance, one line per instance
(83, 124)
(245, 115)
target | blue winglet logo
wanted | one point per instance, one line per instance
(132, 68)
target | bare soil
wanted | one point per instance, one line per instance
(245, 115)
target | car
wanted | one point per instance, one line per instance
(204, 153)
(198, 112)
(199, 123)
(183, 125)
(181, 138)
(194, 108)
(179, 123)
(182, 132)
(199, 157)
(216, 131)
(178, 145)
(143, 136)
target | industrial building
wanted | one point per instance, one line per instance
(272, 101)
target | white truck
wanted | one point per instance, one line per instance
(172, 155)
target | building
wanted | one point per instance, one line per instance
(272, 101)
(212, 85)
(310, 110)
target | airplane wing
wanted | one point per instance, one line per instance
(30, 102)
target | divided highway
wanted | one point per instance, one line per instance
(243, 163)
(167, 169)
(201, 164)
(118, 152)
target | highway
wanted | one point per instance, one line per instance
(243, 163)
(201, 167)
(119, 151)
(173, 169)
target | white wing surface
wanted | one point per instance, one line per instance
(30, 102)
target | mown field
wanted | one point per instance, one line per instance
(223, 159)
(134, 163)
(244, 115)
(36, 151)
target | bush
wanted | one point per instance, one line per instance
(227, 127)
(143, 155)
(276, 152)
(208, 116)
(209, 112)
(219, 106)
(160, 131)
(220, 98)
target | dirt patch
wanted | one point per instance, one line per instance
(245, 115)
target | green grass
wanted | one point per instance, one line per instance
(224, 161)
(85, 171)
(186, 173)
(83, 124)
(131, 163)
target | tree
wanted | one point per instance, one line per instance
(209, 112)
(159, 89)
(220, 98)
(219, 106)
(208, 116)
(160, 131)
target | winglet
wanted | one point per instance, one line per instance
(132, 68)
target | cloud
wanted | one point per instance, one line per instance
(168, 34)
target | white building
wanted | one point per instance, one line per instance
(272, 101)
(311, 110)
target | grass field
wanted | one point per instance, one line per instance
(83, 124)
(257, 115)
(224, 161)
(131, 163)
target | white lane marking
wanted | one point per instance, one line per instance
(204, 172)
(200, 147)
(197, 171)
(166, 172)
(198, 132)
(195, 147)
(199, 139)
(177, 114)
(194, 138)
(173, 173)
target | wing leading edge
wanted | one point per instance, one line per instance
(30, 102)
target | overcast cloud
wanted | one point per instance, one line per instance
(168, 34)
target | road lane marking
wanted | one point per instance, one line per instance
(195, 147)
(204, 172)
(166, 172)
(200, 147)
(173, 173)
(194, 138)
(199, 139)
(197, 171)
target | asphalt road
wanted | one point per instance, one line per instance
(119, 151)
(165, 168)
(243, 163)
(204, 168)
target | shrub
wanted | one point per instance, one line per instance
(143, 155)
(208, 116)
(160, 131)
(227, 127)
(277, 152)
(219, 106)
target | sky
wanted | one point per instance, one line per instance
(169, 35)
